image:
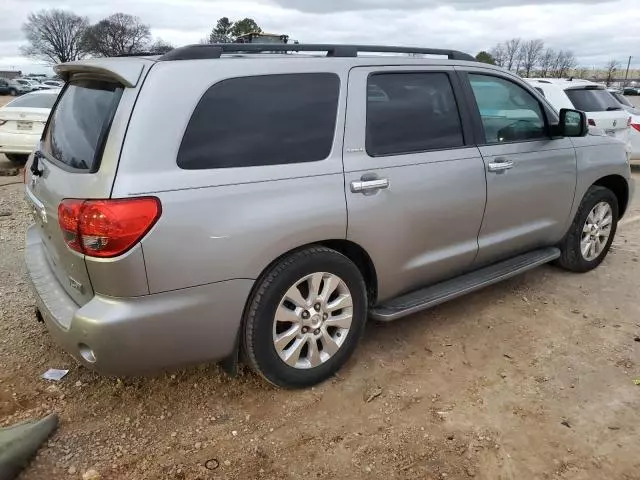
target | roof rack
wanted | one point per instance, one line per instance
(215, 50)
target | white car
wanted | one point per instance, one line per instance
(603, 111)
(634, 132)
(22, 121)
(52, 84)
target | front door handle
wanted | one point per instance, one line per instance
(500, 165)
(368, 186)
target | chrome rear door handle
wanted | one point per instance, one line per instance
(365, 186)
(500, 166)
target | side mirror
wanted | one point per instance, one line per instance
(573, 123)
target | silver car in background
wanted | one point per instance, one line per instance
(279, 201)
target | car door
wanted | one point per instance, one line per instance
(414, 181)
(531, 176)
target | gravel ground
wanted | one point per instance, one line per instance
(529, 379)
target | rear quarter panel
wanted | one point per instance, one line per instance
(221, 224)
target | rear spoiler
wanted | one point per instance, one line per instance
(126, 71)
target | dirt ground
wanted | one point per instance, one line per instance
(532, 378)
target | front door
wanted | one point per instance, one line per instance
(414, 181)
(531, 176)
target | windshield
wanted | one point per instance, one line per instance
(592, 100)
(80, 122)
(41, 100)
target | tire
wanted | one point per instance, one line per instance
(17, 158)
(262, 327)
(572, 257)
(13, 92)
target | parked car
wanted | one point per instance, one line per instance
(22, 121)
(19, 86)
(634, 132)
(602, 109)
(281, 200)
(52, 84)
(631, 91)
(4, 87)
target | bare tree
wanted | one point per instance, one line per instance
(118, 34)
(161, 46)
(499, 54)
(512, 49)
(547, 61)
(566, 62)
(581, 72)
(55, 36)
(530, 52)
(611, 68)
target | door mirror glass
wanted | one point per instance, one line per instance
(573, 123)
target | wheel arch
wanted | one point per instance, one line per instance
(620, 188)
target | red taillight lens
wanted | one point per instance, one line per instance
(106, 228)
(592, 122)
(636, 126)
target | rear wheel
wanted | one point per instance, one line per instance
(305, 318)
(17, 158)
(590, 236)
(13, 92)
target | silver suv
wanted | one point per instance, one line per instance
(282, 199)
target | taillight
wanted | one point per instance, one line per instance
(106, 228)
(592, 122)
(636, 126)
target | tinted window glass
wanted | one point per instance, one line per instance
(540, 91)
(39, 100)
(592, 100)
(78, 125)
(509, 113)
(411, 112)
(262, 120)
(621, 99)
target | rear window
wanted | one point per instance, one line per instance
(592, 100)
(40, 100)
(621, 99)
(262, 120)
(80, 123)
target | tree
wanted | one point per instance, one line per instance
(160, 46)
(118, 34)
(55, 36)
(547, 61)
(221, 33)
(244, 26)
(512, 49)
(610, 68)
(530, 53)
(499, 55)
(566, 61)
(485, 57)
(580, 72)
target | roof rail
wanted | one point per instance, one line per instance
(215, 50)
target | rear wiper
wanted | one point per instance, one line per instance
(611, 109)
(35, 171)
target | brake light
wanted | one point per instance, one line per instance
(592, 122)
(106, 228)
(636, 126)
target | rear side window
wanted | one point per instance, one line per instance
(592, 100)
(80, 123)
(411, 112)
(262, 120)
(621, 99)
(38, 100)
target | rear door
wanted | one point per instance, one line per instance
(415, 183)
(531, 177)
(70, 165)
(602, 109)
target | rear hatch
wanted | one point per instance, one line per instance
(602, 109)
(78, 155)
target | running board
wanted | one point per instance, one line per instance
(448, 290)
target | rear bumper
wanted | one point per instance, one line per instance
(19, 142)
(124, 336)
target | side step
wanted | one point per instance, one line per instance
(448, 290)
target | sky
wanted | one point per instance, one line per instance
(596, 30)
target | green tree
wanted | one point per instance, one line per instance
(221, 33)
(485, 57)
(244, 26)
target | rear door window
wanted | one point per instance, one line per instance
(411, 112)
(39, 100)
(592, 100)
(80, 123)
(262, 120)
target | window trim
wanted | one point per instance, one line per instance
(466, 126)
(102, 138)
(479, 133)
(336, 132)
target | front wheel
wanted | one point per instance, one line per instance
(589, 238)
(305, 318)
(13, 92)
